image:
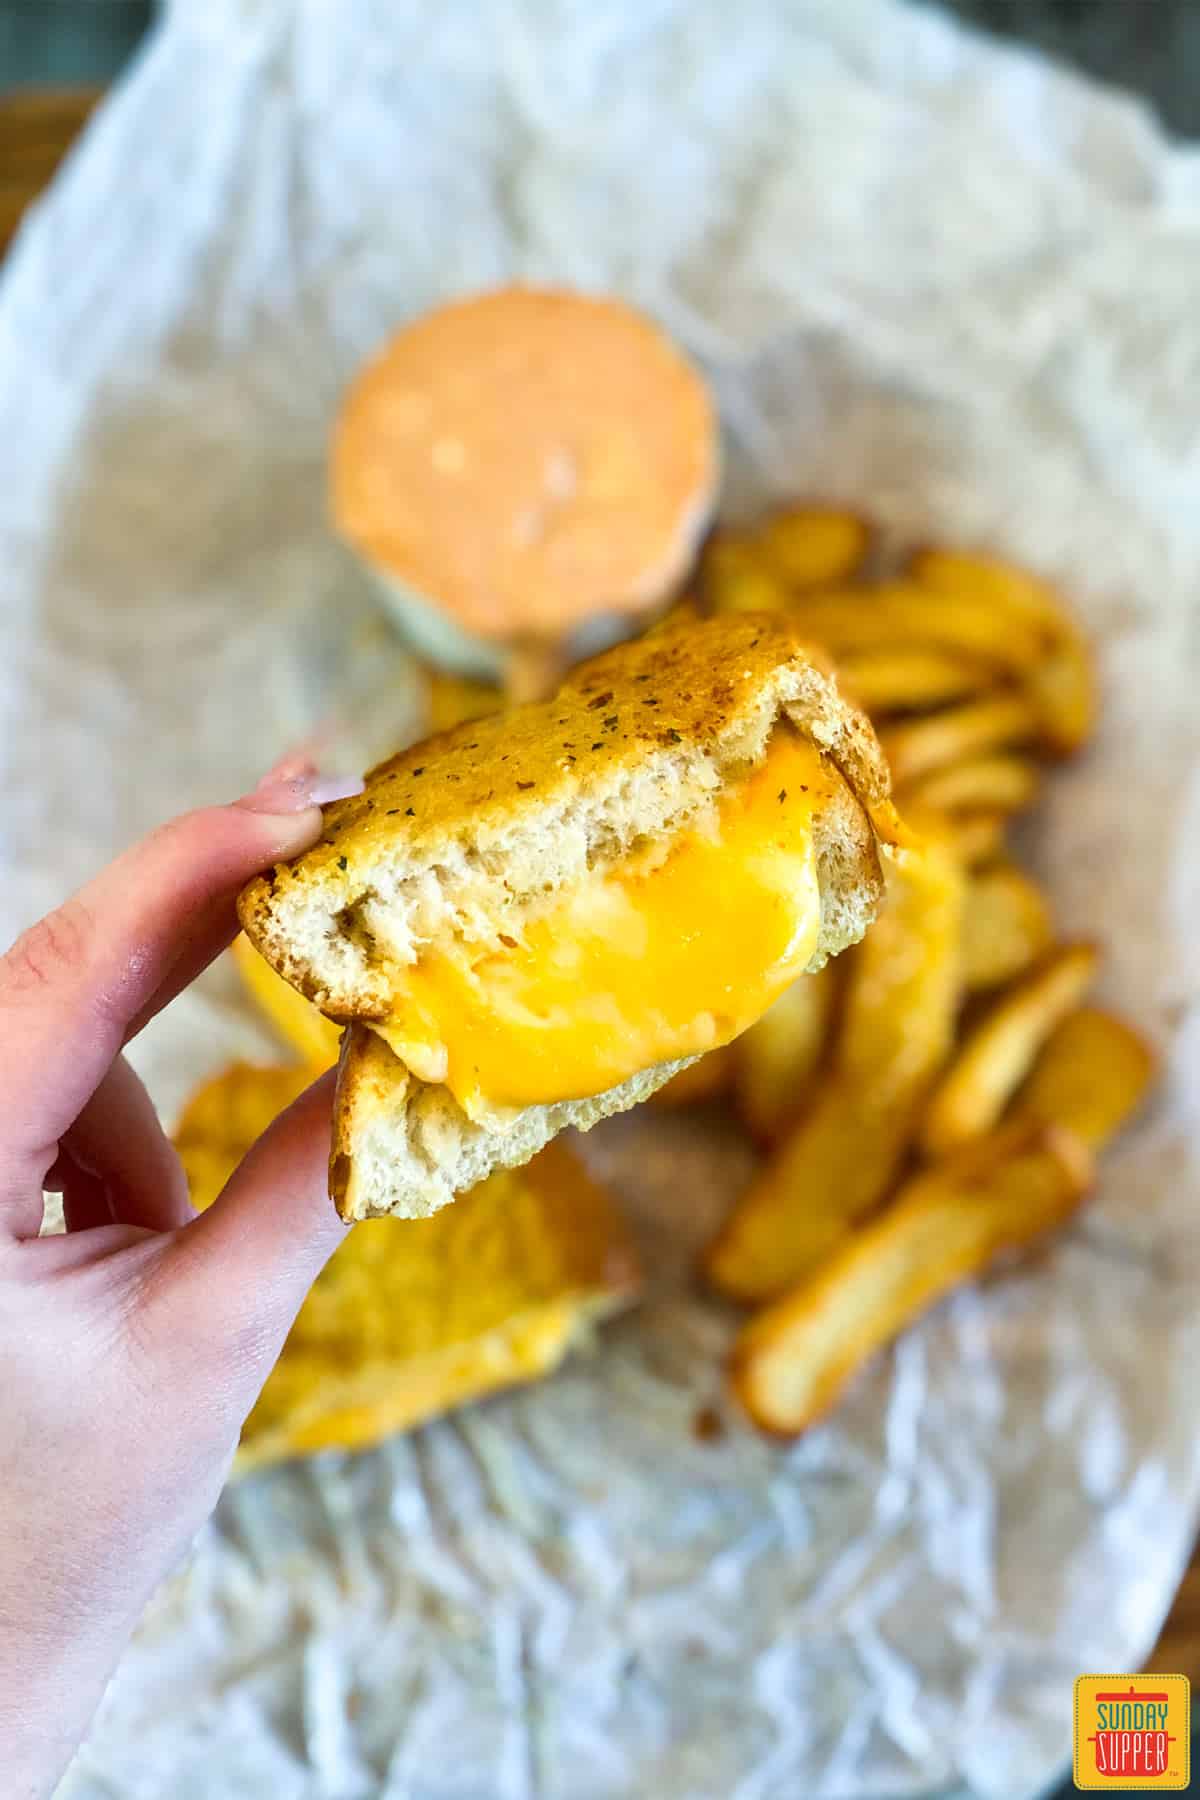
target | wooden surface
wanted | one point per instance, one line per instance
(1178, 1649)
(37, 127)
(36, 130)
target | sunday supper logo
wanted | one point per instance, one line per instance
(1132, 1733)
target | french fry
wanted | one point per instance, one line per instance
(1062, 681)
(296, 1019)
(957, 733)
(706, 1079)
(1002, 784)
(902, 993)
(792, 1361)
(1064, 690)
(1091, 1076)
(904, 981)
(827, 1175)
(978, 837)
(978, 576)
(776, 1059)
(900, 679)
(998, 1053)
(734, 577)
(898, 615)
(1006, 926)
(813, 546)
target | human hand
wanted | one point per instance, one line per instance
(131, 1348)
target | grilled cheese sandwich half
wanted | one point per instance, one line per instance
(535, 919)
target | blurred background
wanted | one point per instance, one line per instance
(58, 56)
(1150, 46)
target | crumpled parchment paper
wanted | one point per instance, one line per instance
(928, 276)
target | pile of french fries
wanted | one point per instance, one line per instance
(936, 1097)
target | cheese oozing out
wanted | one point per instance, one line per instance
(637, 965)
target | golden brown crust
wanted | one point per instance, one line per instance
(525, 457)
(360, 1048)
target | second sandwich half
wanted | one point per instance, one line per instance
(537, 918)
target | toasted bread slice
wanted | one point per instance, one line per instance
(503, 812)
(407, 1322)
(488, 834)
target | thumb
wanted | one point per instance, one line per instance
(248, 1261)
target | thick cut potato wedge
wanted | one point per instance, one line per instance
(998, 1053)
(903, 983)
(901, 999)
(1003, 784)
(734, 577)
(1092, 1076)
(1062, 682)
(957, 734)
(900, 680)
(900, 615)
(1063, 687)
(813, 546)
(777, 1058)
(831, 1172)
(296, 1019)
(1006, 926)
(709, 1078)
(793, 1360)
(978, 837)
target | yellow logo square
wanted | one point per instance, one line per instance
(1132, 1731)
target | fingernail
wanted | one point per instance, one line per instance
(280, 792)
(335, 787)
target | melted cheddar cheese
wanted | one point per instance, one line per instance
(637, 966)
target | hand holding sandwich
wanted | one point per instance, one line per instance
(528, 923)
(132, 1348)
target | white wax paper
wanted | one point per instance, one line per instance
(929, 277)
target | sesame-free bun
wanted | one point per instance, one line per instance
(527, 465)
